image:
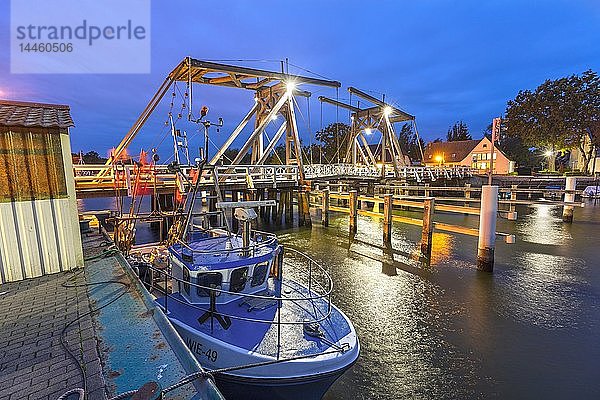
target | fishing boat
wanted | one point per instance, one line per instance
(266, 335)
(255, 313)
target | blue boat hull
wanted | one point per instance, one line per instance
(300, 388)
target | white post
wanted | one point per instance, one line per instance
(570, 184)
(487, 228)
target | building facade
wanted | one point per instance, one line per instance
(475, 154)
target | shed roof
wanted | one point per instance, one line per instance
(452, 151)
(20, 113)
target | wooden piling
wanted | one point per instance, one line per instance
(467, 194)
(427, 231)
(289, 207)
(387, 218)
(513, 197)
(280, 207)
(353, 205)
(301, 215)
(270, 210)
(487, 228)
(304, 207)
(325, 208)
(570, 185)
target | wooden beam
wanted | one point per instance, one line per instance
(327, 100)
(260, 73)
(380, 103)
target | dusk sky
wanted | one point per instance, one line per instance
(441, 61)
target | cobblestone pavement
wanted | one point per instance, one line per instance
(33, 363)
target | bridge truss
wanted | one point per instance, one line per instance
(274, 94)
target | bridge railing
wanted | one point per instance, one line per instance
(123, 177)
(418, 174)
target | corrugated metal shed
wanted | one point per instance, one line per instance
(39, 227)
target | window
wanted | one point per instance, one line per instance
(211, 280)
(186, 280)
(430, 156)
(260, 274)
(485, 145)
(238, 279)
(453, 155)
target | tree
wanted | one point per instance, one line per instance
(458, 131)
(91, 157)
(560, 114)
(409, 142)
(514, 148)
(333, 138)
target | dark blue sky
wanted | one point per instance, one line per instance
(442, 61)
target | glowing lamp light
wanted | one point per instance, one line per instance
(368, 131)
(438, 158)
(387, 111)
(290, 86)
(548, 153)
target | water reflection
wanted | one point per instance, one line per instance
(543, 225)
(546, 290)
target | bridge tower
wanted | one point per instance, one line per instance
(274, 94)
(379, 117)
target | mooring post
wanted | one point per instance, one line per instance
(467, 194)
(570, 185)
(353, 205)
(427, 231)
(513, 197)
(387, 218)
(487, 228)
(325, 207)
(427, 190)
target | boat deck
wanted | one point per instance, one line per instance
(262, 337)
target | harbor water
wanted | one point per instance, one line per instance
(445, 331)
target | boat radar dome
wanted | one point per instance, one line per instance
(244, 214)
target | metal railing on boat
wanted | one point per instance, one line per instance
(322, 282)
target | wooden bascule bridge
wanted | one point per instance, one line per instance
(275, 95)
(294, 181)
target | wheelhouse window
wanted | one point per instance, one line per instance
(186, 280)
(238, 279)
(209, 280)
(260, 274)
